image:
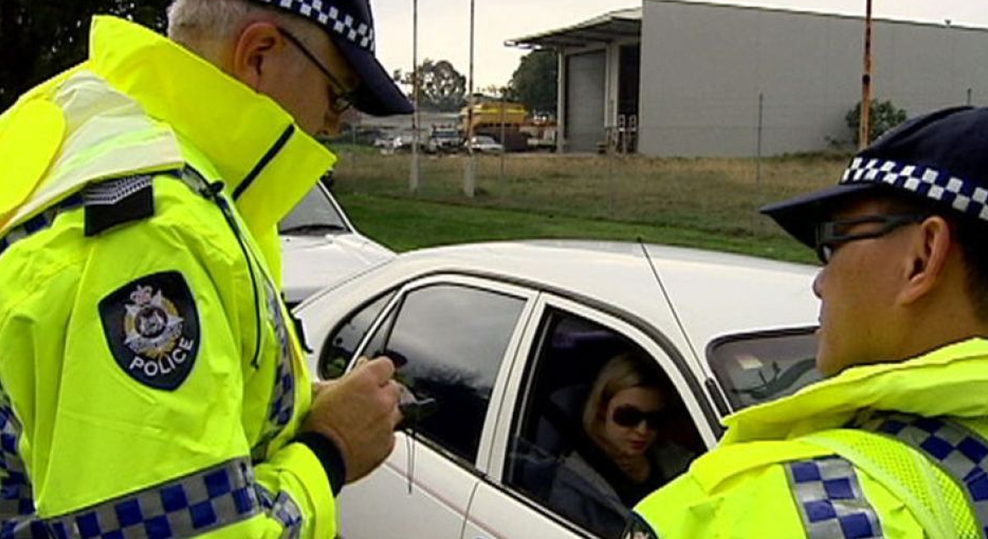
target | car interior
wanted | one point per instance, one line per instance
(572, 352)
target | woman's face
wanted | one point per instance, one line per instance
(631, 420)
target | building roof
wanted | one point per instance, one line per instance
(625, 23)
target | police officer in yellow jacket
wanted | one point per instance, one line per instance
(151, 381)
(894, 444)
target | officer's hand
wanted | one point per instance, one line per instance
(358, 412)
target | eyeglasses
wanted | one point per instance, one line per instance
(629, 416)
(831, 234)
(342, 98)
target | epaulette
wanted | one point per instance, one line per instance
(118, 201)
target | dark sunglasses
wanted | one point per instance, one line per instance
(342, 98)
(629, 416)
(831, 234)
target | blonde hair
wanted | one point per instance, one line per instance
(621, 372)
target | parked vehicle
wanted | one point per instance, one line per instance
(504, 340)
(484, 144)
(444, 139)
(321, 247)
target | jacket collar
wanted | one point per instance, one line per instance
(261, 155)
(951, 380)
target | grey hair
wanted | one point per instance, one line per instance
(195, 21)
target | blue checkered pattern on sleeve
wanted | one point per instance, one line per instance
(282, 406)
(960, 452)
(17, 513)
(210, 499)
(830, 500)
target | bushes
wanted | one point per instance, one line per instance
(884, 116)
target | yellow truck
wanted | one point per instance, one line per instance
(488, 118)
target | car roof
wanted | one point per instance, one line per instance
(715, 294)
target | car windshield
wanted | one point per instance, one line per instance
(314, 215)
(483, 140)
(759, 367)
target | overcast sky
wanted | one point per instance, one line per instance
(444, 25)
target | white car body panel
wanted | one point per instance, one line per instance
(611, 284)
(313, 260)
(312, 263)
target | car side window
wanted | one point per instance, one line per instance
(449, 342)
(344, 339)
(601, 425)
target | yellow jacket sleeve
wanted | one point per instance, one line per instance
(132, 365)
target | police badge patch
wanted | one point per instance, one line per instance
(152, 328)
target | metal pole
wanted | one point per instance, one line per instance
(758, 160)
(504, 143)
(470, 178)
(353, 140)
(864, 136)
(413, 179)
(969, 97)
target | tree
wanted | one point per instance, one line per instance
(534, 83)
(40, 38)
(883, 116)
(441, 86)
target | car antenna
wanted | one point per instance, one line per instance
(665, 294)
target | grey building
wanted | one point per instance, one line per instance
(703, 79)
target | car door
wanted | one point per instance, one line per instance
(452, 336)
(514, 501)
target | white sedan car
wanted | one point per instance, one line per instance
(504, 341)
(484, 144)
(320, 247)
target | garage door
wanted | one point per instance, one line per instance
(585, 101)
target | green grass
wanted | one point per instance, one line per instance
(707, 203)
(404, 224)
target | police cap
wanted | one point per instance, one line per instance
(350, 25)
(941, 157)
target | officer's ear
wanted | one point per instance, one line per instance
(927, 258)
(257, 47)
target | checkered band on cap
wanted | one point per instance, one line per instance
(830, 500)
(331, 18)
(963, 195)
(960, 452)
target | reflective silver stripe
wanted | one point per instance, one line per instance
(960, 452)
(283, 509)
(830, 501)
(209, 499)
(111, 192)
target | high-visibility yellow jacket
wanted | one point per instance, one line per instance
(152, 383)
(894, 450)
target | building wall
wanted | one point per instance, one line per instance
(704, 66)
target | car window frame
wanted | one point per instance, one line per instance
(638, 331)
(347, 225)
(481, 463)
(328, 341)
(339, 208)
